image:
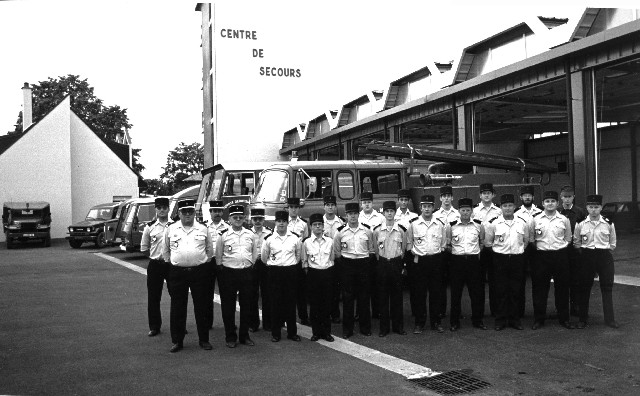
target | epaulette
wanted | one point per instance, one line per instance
(452, 223)
(295, 234)
(303, 219)
(492, 220)
(152, 222)
(376, 227)
(521, 218)
(170, 222)
(537, 214)
(223, 231)
(305, 238)
(341, 227)
(414, 219)
(441, 222)
(265, 238)
(267, 228)
(366, 225)
(403, 228)
(606, 220)
(478, 221)
(343, 219)
(518, 208)
(203, 223)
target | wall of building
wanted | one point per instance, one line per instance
(37, 168)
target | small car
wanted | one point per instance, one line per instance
(625, 215)
(100, 220)
(25, 221)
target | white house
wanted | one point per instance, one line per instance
(62, 161)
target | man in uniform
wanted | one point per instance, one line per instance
(448, 214)
(236, 253)
(353, 245)
(259, 275)
(281, 252)
(575, 214)
(214, 229)
(551, 233)
(485, 211)
(508, 235)
(404, 216)
(331, 224)
(372, 218)
(526, 212)
(426, 239)
(465, 238)
(188, 248)
(157, 270)
(299, 226)
(317, 261)
(595, 239)
(390, 242)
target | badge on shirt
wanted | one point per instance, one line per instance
(585, 237)
(381, 245)
(175, 244)
(501, 239)
(419, 240)
(273, 257)
(456, 238)
(312, 257)
(229, 248)
(155, 238)
(344, 245)
(539, 231)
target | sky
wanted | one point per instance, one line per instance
(146, 56)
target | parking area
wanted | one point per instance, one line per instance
(74, 322)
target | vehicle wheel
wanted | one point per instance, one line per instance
(75, 244)
(9, 244)
(100, 240)
(47, 241)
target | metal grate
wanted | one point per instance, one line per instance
(451, 383)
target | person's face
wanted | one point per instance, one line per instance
(446, 199)
(487, 196)
(293, 210)
(216, 215)
(236, 220)
(257, 221)
(567, 198)
(317, 228)
(594, 210)
(427, 209)
(389, 214)
(281, 226)
(508, 209)
(404, 202)
(162, 212)
(465, 213)
(187, 216)
(550, 204)
(330, 208)
(367, 205)
(352, 218)
(527, 199)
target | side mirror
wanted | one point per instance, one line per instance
(313, 184)
(301, 202)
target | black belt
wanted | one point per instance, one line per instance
(508, 255)
(193, 267)
(390, 260)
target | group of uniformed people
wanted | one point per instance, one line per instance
(361, 260)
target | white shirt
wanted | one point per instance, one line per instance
(372, 219)
(153, 239)
(466, 237)
(331, 226)
(353, 243)
(551, 232)
(317, 252)
(448, 216)
(599, 234)
(390, 242)
(507, 236)
(404, 218)
(187, 248)
(281, 250)
(426, 237)
(237, 249)
(298, 226)
(214, 231)
(485, 213)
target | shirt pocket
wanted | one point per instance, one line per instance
(174, 242)
(457, 236)
(584, 236)
(363, 242)
(346, 244)
(539, 232)
(558, 230)
(420, 239)
(605, 235)
(155, 236)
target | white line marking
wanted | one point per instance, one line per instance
(369, 355)
(626, 280)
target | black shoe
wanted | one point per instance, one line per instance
(205, 345)
(400, 332)
(366, 334)
(581, 325)
(346, 336)
(500, 327)
(516, 325)
(231, 344)
(248, 342)
(613, 324)
(567, 325)
(294, 338)
(153, 333)
(175, 348)
(383, 334)
(336, 321)
(305, 322)
(437, 327)
(537, 325)
(418, 329)
(480, 325)
(314, 338)
(454, 327)
(275, 339)
(328, 338)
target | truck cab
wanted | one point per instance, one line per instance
(25, 221)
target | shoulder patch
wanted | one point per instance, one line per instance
(295, 233)
(152, 222)
(403, 228)
(267, 228)
(265, 238)
(441, 222)
(223, 231)
(341, 227)
(305, 238)
(170, 222)
(521, 218)
(302, 219)
(366, 225)
(478, 221)
(492, 220)
(452, 223)
(605, 219)
(376, 227)
(537, 214)
(414, 219)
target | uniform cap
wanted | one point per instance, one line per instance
(282, 215)
(507, 198)
(550, 195)
(161, 202)
(389, 205)
(427, 199)
(330, 199)
(257, 212)
(486, 187)
(404, 193)
(316, 218)
(236, 210)
(526, 190)
(465, 202)
(187, 204)
(366, 196)
(594, 199)
(293, 201)
(352, 207)
(567, 189)
(216, 205)
(446, 190)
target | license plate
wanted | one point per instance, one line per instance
(29, 235)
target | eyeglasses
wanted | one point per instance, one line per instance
(187, 211)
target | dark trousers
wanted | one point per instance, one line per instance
(259, 293)
(550, 264)
(373, 270)
(574, 263)
(355, 286)
(389, 291)
(446, 281)
(486, 261)
(211, 288)
(426, 282)
(157, 273)
(509, 271)
(408, 262)
(529, 253)
(466, 270)
(181, 279)
(301, 293)
(320, 289)
(337, 290)
(594, 261)
(235, 285)
(282, 292)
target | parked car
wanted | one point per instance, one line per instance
(25, 221)
(101, 220)
(624, 215)
(139, 212)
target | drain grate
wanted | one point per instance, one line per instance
(451, 383)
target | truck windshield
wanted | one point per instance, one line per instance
(99, 214)
(210, 186)
(18, 214)
(273, 187)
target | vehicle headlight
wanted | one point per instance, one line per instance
(42, 226)
(14, 227)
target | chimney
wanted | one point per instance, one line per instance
(27, 108)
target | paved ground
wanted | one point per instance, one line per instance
(75, 323)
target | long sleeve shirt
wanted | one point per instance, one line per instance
(153, 239)
(550, 232)
(236, 249)
(187, 248)
(466, 238)
(353, 243)
(281, 250)
(426, 237)
(599, 234)
(507, 236)
(390, 242)
(317, 252)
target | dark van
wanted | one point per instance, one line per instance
(139, 213)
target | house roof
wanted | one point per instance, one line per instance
(7, 141)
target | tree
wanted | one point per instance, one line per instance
(135, 161)
(182, 162)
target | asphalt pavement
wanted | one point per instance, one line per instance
(75, 323)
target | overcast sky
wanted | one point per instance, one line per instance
(146, 56)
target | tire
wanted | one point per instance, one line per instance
(75, 244)
(100, 241)
(9, 244)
